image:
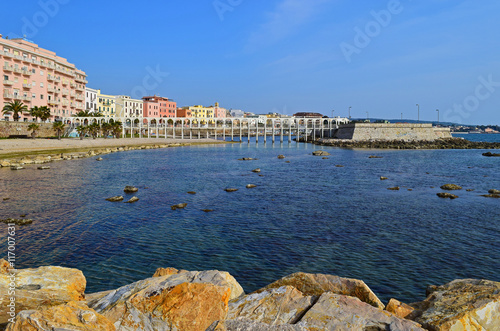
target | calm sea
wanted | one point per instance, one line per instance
(307, 215)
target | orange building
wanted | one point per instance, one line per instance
(159, 107)
(184, 112)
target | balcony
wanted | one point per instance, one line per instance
(73, 94)
(65, 91)
(65, 103)
(81, 79)
(52, 90)
(73, 85)
(7, 54)
(35, 62)
(53, 102)
(50, 78)
(17, 70)
(64, 82)
(26, 59)
(79, 88)
(8, 82)
(26, 72)
(27, 86)
(18, 57)
(7, 95)
(50, 66)
(7, 67)
(26, 98)
(80, 97)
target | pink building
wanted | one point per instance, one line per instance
(159, 107)
(38, 77)
(219, 111)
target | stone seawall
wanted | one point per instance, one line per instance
(21, 128)
(391, 131)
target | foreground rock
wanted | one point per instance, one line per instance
(41, 287)
(464, 304)
(185, 301)
(71, 316)
(132, 200)
(247, 325)
(179, 206)
(340, 312)
(317, 284)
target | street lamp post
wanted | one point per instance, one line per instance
(418, 112)
(350, 112)
(438, 114)
(401, 116)
(332, 112)
(367, 116)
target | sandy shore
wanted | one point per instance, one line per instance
(15, 147)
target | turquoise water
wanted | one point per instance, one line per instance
(307, 215)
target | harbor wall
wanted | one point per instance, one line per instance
(390, 131)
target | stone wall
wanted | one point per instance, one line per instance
(390, 131)
(21, 128)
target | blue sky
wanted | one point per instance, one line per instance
(380, 57)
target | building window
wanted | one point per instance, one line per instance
(41, 84)
(41, 96)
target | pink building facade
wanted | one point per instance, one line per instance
(38, 77)
(219, 111)
(159, 107)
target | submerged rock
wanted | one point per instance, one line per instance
(256, 170)
(191, 192)
(247, 159)
(375, 157)
(395, 188)
(17, 221)
(491, 154)
(179, 206)
(115, 199)
(207, 210)
(130, 189)
(383, 178)
(463, 304)
(445, 195)
(491, 195)
(493, 191)
(99, 159)
(339, 166)
(230, 189)
(320, 153)
(43, 168)
(451, 187)
(281, 156)
(16, 167)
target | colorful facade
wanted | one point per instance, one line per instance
(38, 77)
(106, 104)
(159, 107)
(91, 100)
(128, 107)
(184, 112)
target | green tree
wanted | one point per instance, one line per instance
(82, 131)
(94, 129)
(35, 112)
(59, 128)
(105, 129)
(44, 113)
(117, 129)
(34, 128)
(16, 108)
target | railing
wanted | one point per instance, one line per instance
(7, 54)
(26, 72)
(28, 86)
(8, 95)
(7, 67)
(17, 70)
(8, 82)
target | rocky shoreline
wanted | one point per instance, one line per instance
(54, 298)
(444, 143)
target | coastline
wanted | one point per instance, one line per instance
(29, 148)
(443, 143)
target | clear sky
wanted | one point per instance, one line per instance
(380, 57)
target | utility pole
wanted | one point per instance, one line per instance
(438, 114)
(418, 110)
(350, 112)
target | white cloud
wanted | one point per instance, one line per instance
(283, 21)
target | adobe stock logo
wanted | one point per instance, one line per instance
(371, 30)
(48, 9)
(223, 6)
(483, 91)
(150, 81)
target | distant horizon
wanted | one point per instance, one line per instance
(284, 56)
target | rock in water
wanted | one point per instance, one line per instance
(447, 195)
(493, 191)
(179, 206)
(491, 195)
(395, 188)
(340, 312)
(491, 154)
(130, 189)
(463, 304)
(383, 178)
(375, 157)
(256, 170)
(115, 199)
(191, 192)
(207, 210)
(251, 186)
(320, 153)
(231, 189)
(281, 156)
(21, 221)
(247, 159)
(43, 168)
(317, 284)
(71, 316)
(187, 301)
(132, 200)
(451, 187)
(99, 159)
(42, 287)
(167, 272)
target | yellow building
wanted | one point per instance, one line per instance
(106, 104)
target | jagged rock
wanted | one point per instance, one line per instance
(383, 178)
(99, 159)
(493, 191)
(395, 188)
(167, 272)
(317, 284)
(115, 199)
(281, 156)
(320, 153)
(451, 187)
(132, 200)
(187, 301)
(17, 221)
(179, 206)
(274, 306)
(340, 312)
(491, 195)
(231, 189)
(43, 168)
(400, 309)
(130, 189)
(256, 170)
(71, 316)
(445, 195)
(5, 163)
(247, 325)
(463, 304)
(191, 192)
(41, 287)
(491, 154)
(251, 186)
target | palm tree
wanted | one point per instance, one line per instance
(44, 113)
(116, 128)
(59, 127)
(94, 129)
(35, 112)
(105, 128)
(16, 108)
(33, 127)
(82, 131)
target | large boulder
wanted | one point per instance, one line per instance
(340, 312)
(190, 300)
(463, 304)
(317, 284)
(247, 325)
(275, 306)
(71, 316)
(40, 287)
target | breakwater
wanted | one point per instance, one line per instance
(443, 143)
